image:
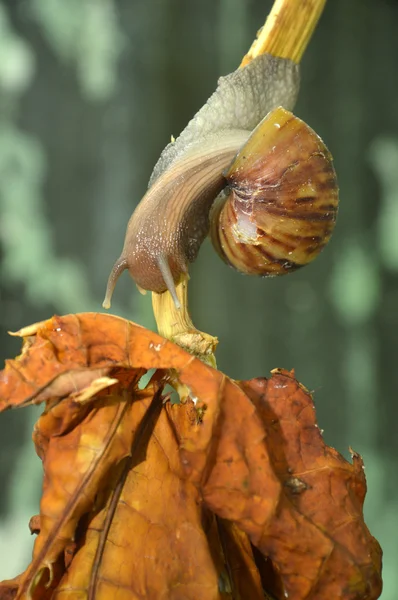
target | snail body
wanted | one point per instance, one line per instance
(170, 223)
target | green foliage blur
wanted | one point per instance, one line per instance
(90, 93)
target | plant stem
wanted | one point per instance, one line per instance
(286, 33)
(176, 324)
(287, 30)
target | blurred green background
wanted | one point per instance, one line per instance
(90, 92)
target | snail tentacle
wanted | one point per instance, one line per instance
(165, 270)
(117, 269)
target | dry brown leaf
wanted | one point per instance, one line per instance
(153, 546)
(143, 499)
(244, 575)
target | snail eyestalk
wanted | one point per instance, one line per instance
(117, 269)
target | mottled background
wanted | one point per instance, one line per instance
(90, 92)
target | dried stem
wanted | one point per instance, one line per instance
(286, 33)
(287, 30)
(176, 324)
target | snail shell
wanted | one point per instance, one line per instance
(280, 207)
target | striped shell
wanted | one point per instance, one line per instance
(280, 207)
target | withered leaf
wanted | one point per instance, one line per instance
(143, 499)
(154, 545)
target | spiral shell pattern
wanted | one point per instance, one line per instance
(280, 207)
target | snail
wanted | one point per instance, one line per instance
(275, 164)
